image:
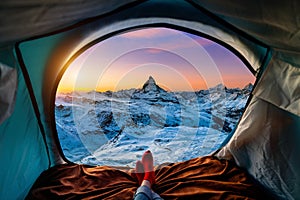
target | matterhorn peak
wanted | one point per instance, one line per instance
(152, 92)
(150, 85)
(151, 80)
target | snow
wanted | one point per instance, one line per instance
(115, 128)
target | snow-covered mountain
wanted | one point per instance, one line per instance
(114, 128)
(151, 86)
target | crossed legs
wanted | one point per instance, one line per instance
(146, 177)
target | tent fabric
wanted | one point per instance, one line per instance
(271, 155)
(25, 19)
(34, 55)
(274, 23)
(8, 88)
(22, 149)
(266, 143)
(283, 77)
(199, 178)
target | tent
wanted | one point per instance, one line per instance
(39, 38)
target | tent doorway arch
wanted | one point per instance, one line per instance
(193, 112)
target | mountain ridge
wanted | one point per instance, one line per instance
(151, 86)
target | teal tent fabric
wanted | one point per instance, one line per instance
(22, 150)
(35, 55)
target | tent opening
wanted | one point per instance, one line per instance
(178, 94)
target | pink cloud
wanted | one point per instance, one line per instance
(154, 51)
(181, 43)
(168, 39)
(160, 33)
(150, 33)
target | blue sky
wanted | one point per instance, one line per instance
(177, 60)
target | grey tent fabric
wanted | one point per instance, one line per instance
(276, 23)
(267, 139)
(8, 88)
(283, 77)
(24, 19)
(268, 148)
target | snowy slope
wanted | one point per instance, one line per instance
(115, 128)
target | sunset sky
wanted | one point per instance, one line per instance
(178, 61)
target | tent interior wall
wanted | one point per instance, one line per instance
(39, 39)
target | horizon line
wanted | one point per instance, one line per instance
(103, 91)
